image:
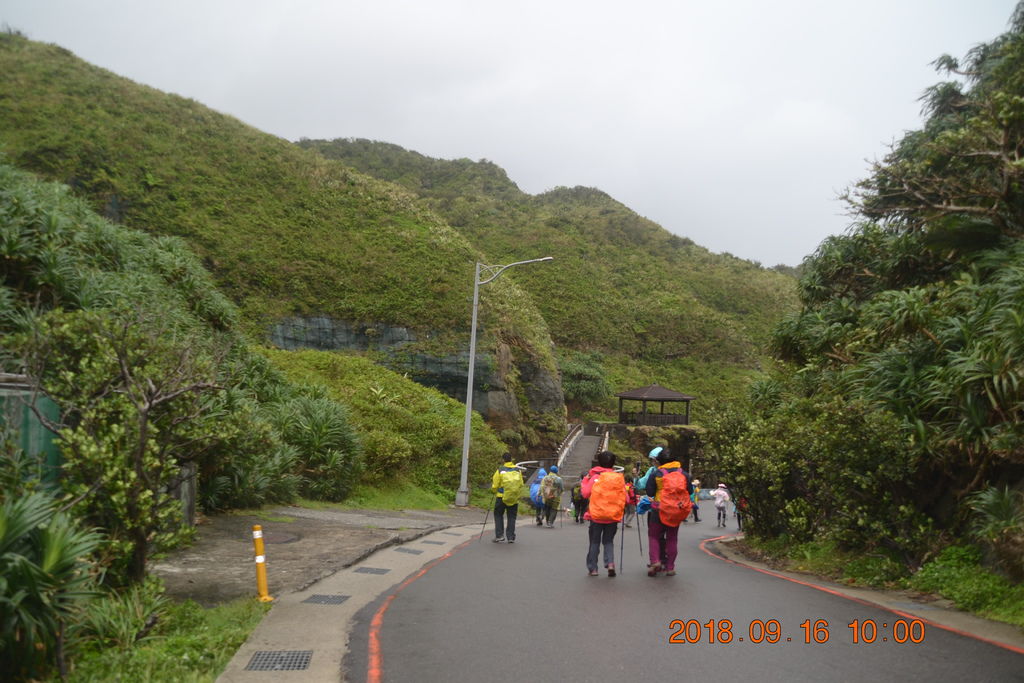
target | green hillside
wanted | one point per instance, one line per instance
(292, 235)
(623, 286)
(286, 233)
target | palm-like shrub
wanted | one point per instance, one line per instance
(999, 524)
(44, 577)
(329, 450)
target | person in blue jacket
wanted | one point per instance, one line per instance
(538, 504)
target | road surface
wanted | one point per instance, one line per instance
(529, 611)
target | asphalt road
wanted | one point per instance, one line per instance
(499, 612)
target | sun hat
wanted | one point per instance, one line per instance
(696, 481)
(655, 451)
(721, 486)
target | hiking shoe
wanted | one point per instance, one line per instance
(611, 570)
(498, 539)
(670, 572)
(654, 569)
(592, 572)
(511, 540)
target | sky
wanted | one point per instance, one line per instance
(735, 123)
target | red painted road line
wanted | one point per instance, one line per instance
(1005, 646)
(375, 660)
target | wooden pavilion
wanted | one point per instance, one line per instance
(654, 394)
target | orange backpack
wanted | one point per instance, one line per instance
(674, 502)
(607, 497)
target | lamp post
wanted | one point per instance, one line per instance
(491, 274)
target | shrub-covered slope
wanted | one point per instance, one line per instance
(659, 295)
(623, 286)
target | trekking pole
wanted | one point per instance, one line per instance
(639, 536)
(622, 545)
(484, 527)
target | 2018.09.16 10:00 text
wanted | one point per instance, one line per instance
(770, 631)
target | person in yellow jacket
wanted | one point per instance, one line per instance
(507, 485)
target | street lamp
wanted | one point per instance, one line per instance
(491, 274)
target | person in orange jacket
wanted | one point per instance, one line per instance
(605, 491)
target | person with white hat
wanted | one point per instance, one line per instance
(721, 496)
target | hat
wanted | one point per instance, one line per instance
(696, 481)
(554, 468)
(654, 452)
(721, 486)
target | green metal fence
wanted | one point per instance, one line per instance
(17, 415)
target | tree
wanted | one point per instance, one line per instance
(134, 394)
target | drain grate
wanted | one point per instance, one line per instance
(434, 542)
(326, 599)
(372, 570)
(280, 660)
(411, 551)
(450, 533)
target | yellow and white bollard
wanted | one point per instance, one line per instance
(261, 564)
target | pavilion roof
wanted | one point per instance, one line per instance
(655, 392)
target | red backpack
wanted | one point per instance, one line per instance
(674, 502)
(607, 497)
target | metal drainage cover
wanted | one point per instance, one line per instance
(372, 570)
(434, 542)
(326, 599)
(450, 533)
(280, 660)
(411, 551)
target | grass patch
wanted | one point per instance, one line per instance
(403, 496)
(264, 515)
(825, 559)
(957, 574)
(189, 644)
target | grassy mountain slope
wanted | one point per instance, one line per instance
(284, 231)
(622, 286)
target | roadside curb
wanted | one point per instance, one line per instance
(938, 613)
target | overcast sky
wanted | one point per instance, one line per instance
(735, 123)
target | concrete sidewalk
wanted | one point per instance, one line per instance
(306, 632)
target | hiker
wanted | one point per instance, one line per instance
(507, 485)
(670, 489)
(579, 503)
(641, 484)
(721, 496)
(696, 498)
(551, 494)
(535, 499)
(605, 491)
(631, 499)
